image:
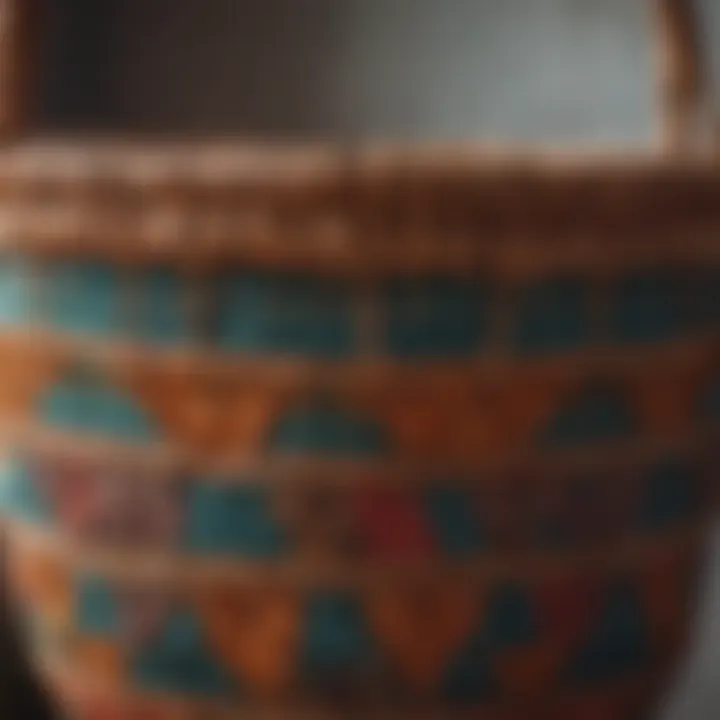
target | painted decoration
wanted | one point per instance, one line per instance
(391, 524)
(286, 314)
(434, 318)
(85, 298)
(648, 307)
(595, 414)
(21, 496)
(337, 648)
(164, 308)
(87, 402)
(16, 294)
(554, 316)
(464, 643)
(233, 521)
(618, 642)
(412, 538)
(98, 610)
(179, 660)
(456, 520)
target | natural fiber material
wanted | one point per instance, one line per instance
(295, 476)
(385, 433)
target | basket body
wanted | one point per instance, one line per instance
(368, 443)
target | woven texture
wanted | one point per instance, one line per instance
(291, 476)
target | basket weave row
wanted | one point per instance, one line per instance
(222, 527)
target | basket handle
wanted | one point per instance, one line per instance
(682, 83)
(19, 35)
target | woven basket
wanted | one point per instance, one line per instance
(298, 433)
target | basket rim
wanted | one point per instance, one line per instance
(368, 209)
(217, 160)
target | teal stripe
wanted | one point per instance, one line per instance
(164, 300)
(649, 307)
(15, 291)
(553, 316)
(438, 317)
(286, 314)
(85, 298)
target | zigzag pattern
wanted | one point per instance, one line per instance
(452, 642)
(383, 449)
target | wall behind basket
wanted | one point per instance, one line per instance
(548, 69)
(552, 70)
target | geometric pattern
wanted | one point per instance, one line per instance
(454, 643)
(303, 315)
(432, 520)
(347, 474)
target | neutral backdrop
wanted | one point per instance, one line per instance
(542, 70)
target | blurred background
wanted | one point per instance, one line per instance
(551, 70)
(526, 70)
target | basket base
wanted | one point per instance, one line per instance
(80, 702)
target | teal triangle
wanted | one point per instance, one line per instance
(510, 619)
(98, 611)
(595, 415)
(179, 661)
(456, 521)
(233, 520)
(617, 645)
(65, 405)
(469, 676)
(336, 641)
(327, 430)
(84, 402)
(669, 498)
(509, 622)
(119, 415)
